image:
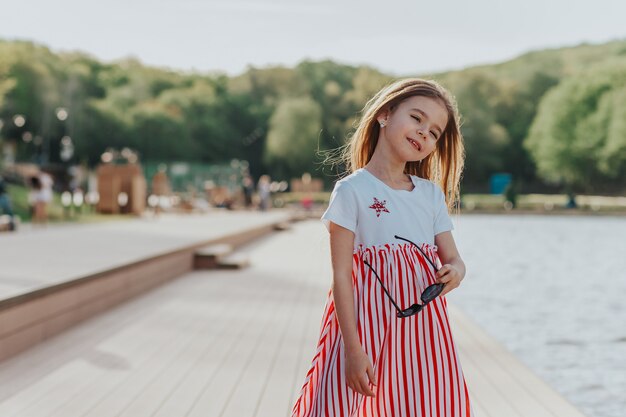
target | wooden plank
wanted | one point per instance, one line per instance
(156, 348)
(276, 398)
(30, 377)
(248, 389)
(150, 400)
(121, 355)
(24, 370)
(38, 318)
(175, 336)
(23, 400)
(217, 392)
(307, 342)
(204, 373)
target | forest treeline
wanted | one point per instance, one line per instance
(551, 118)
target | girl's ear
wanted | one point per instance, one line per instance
(382, 117)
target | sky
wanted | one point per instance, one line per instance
(398, 37)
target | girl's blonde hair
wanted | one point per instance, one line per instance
(443, 166)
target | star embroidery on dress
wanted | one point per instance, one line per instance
(379, 206)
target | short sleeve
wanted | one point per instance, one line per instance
(443, 223)
(342, 208)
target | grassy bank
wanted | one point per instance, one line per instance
(545, 204)
(56, 211)
(487, 203)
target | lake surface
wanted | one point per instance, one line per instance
(552, 289)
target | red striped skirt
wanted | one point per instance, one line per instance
(414, 359)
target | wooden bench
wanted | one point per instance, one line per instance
(219, 256)
(209, 257)
(234, 261)
(282, 226)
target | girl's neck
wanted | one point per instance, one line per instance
(393, 177)
(391, 174)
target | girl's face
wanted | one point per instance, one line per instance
(413, 127)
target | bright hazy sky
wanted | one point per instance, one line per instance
(399, 37)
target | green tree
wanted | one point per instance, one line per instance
(214, 118)
(161, 134)
(328, 83)
(102, 128)
(292, 141)
(6, 81)
(485, 138)
(515, 110)
(579, 135)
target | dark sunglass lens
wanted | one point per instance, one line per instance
(432, 292)
(414, 309)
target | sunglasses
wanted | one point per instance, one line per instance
(430, 293)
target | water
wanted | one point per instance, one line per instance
(552, 289)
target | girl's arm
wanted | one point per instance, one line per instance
(358, 365)
(453, 270)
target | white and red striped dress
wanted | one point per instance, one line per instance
(414, 359)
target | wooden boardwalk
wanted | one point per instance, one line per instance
(39, 258)
(230, 343)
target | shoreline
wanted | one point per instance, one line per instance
(318, 210)
(559, 212)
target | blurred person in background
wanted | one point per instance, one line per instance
(46, 187)
(37, 201)
(5, 204)
(263, 188)
(248, 191)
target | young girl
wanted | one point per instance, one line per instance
(385, 347)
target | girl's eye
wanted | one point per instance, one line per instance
(434, 134)
(417, 118)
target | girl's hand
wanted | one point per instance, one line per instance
(453, 270)
(449, 275)
(359, 372)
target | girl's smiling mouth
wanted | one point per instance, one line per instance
(415, 144)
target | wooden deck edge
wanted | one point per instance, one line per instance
(236, 240)
(31, 318)
(518, 387)
(33, 321)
